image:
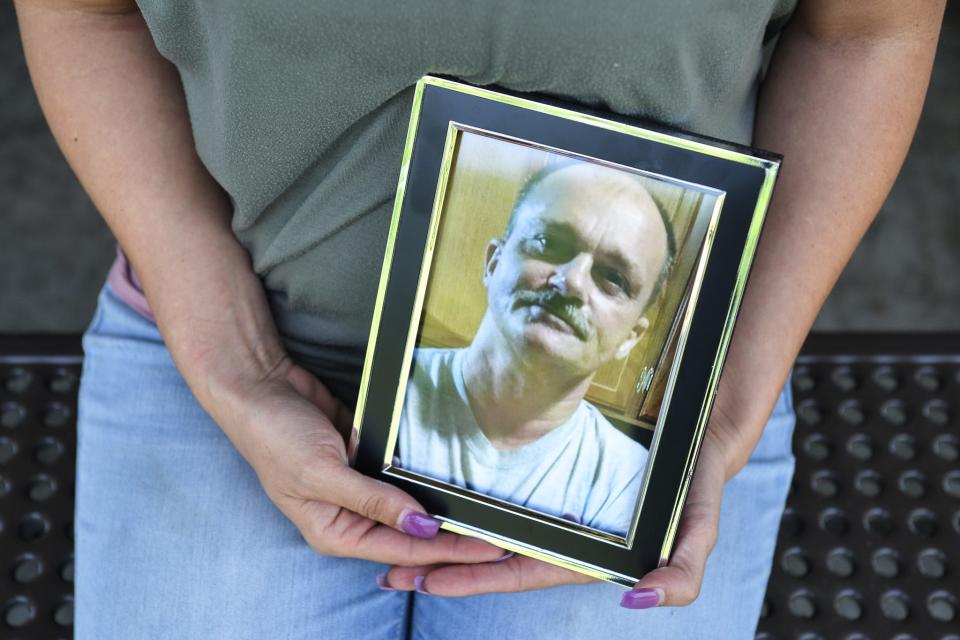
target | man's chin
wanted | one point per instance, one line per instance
(556, 343)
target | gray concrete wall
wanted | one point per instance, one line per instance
(54, 248)
(905, 275)
(55, 251)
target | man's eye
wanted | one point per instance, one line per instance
(613, 281)
(540, 244)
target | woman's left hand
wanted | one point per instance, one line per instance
(676, 584)
(837, 62)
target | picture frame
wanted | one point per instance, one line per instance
(558, 293)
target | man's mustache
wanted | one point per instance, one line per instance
(558, 305)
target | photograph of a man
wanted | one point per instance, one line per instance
(584, 252)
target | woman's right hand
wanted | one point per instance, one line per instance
(288, 432)
(117, 109)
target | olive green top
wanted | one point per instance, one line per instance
(299, 110)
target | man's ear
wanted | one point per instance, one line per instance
(627, 345)
(491, 259)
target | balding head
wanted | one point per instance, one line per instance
(606, 182)
(581, 259)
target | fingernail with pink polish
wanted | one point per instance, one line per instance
(383, 584)
(419, 524)
(418, 585)
(642, 598)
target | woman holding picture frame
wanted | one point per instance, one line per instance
(245, 158)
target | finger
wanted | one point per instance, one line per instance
(335, 483)
(516, 573)
(389, 546)
(405, 578)
(348, 534)
(678, 583)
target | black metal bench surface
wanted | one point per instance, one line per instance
(869, 545)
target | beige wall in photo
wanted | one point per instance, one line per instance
(484, 181)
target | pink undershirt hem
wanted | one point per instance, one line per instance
(127, 287)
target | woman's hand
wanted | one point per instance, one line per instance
(288, 432)
(678, 583)
(117, 109)
(837, 63)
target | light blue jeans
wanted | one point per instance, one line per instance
(176, 539)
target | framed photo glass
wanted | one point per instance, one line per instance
(558, 293)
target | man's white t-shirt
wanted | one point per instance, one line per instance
(585, 470)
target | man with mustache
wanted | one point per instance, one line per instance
(584, 253)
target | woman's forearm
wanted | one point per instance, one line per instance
(117, 109)
(841, 102)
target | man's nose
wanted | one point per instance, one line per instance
(572, 278)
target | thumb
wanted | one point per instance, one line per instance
(345, 487)
(678, 583)
(379, 501)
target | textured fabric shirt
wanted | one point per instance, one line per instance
(299, 110)
(584, 470)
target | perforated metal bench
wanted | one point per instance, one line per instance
(869, 545)
(38, 403)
